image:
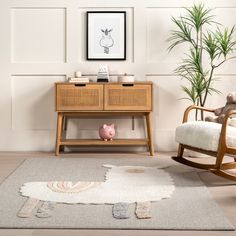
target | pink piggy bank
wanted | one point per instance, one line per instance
(107, 132)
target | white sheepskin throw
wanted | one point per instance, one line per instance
(122, 184)
(204, 135)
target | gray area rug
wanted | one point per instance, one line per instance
(191, 207)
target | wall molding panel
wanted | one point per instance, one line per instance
(44, 41)
(38, 35)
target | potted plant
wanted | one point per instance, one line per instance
(206, 39)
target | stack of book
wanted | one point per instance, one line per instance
(79, 80)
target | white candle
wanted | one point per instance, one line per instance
(78, 74)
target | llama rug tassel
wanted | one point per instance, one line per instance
(143, 210)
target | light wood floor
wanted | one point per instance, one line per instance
(223, 191)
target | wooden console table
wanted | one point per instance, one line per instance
(103, 99)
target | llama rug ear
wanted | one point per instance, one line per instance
(108, 166)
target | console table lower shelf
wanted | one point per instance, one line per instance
(99, 142)
(61, 142)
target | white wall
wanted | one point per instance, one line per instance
(43, 41)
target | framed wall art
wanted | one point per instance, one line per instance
(106, 35)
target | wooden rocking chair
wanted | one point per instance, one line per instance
(208, 138)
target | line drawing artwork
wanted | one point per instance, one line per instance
(106, 41)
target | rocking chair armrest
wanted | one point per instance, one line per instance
(186, 113)
(224, 127)
(229, 114)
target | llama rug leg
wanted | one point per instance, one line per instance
(45, 210)
(28, 207)
(143, 210)
(121, 210)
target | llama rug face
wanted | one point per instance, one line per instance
(139, 193)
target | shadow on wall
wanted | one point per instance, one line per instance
(167, 112)
(44, 116)
(43, 111)
(33, 108)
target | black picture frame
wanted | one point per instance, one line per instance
(104, 52)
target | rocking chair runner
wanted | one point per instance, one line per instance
(217, 140)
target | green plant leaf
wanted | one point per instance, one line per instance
(217, 46)
(192, 96)
(182, 35)
(225, 41)
(211, 45)
(198, 16)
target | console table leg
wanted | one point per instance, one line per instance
(63, 130)
(59, 133)
(149, 133)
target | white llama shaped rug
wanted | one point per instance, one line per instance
(123, 184)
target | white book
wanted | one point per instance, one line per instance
(81, 79)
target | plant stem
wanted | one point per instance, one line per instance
(220, 63)
(226, 59)
(201, 45)
(196, 111)
(202, 114)
(208, 85)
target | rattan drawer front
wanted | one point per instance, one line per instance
(133, 97)
(79, 97)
